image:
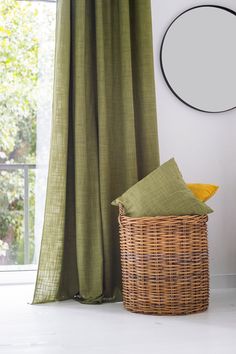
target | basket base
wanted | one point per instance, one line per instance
(165, 312)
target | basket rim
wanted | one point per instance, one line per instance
(194, 217)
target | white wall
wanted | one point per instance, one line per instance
(204, 146)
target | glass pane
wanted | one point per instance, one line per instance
(11, 217)
(27, 36)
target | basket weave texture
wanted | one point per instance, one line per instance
(164, 263)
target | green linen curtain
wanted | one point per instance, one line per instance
(104, 139)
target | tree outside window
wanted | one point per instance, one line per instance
(20, 23)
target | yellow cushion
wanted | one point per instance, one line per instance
(202, 191)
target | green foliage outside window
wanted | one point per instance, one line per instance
(19, 73)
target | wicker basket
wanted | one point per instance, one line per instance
(164, 264)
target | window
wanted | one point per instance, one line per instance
(27, 31)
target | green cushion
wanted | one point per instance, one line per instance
(162, 192)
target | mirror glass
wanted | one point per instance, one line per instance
(198, 58)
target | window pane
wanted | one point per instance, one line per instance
(11, 217)
(27, 31)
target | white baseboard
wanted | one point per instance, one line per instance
(223, 281)
(18, 277)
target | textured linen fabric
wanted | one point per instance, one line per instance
(162, 192)
(104, 139)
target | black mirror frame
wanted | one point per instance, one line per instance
(161, 61)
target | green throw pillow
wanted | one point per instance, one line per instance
(162, 192)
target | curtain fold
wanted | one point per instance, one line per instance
(104, 139)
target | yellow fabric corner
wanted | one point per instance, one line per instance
(202, 191)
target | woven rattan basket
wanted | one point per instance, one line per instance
(164, 263)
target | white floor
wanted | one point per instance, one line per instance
(69, 327)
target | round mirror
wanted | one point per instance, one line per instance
(198, 58)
